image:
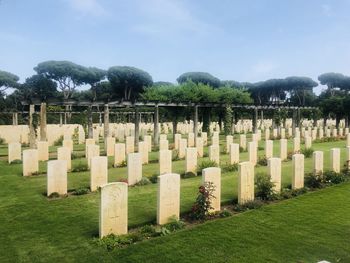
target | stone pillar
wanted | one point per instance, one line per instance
(255, 119)
(229, 141)
(43, 151)
(92, 151)
(243, 141)
(156, 125)
(68, 143)
(318, 162)
(57, 177)
(163, 145)
(119, 154)
(199, 146)
(191, 160)
(14, 151)
(130, 147)
(134, 168)
(182, 148)
(214, 154)
(190, 139)
(30, 162)
(298, 171)
(137, 126)
(253, 152)
(283, 149)
(274, 167)
(64, 154)
(168, 199)
(43, 126)
(268, 149)
(213, 175)
(90, 123)
(234, 153)
(143, 150)
(335, 160)
(98, 172)
(165, 161)
(245, 182)
(106, 121)
(195, 121)
(114, 209)
(296, 144)
(32, 136)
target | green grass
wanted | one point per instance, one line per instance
(36, 229)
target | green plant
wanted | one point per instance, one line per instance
(262, 161)
(122, 164)
(230, 167)
(225, 213)
(174, 224)
(206, 164)
(16, 162)
(188, 175)
(332, 177)
(2, 141)
(154, 178)
(260, 148)
(314, 180)
(149, 231)
(59, 141)
(175, 156)
(81, 191)
(307, 152)
(54, 195)
(264, 187)
(144, 181)
(254, 204)
(112, 241)
(80, 167)
(202, 205)
(241, 149)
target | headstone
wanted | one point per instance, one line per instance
(163, 145)
(348, 139)
(109, 146)
(245, 182)
(30, 162)
(234, 153)
(214, 153)
(119, 154)
(14, 151)
(64, 154)
(191, 160)
(215, 139)
(335, 160)
(148, 139)
(308, 142)
(298, 171)
(182, 148)
(296, 144)
(204, 135)
(98, 172)
(283, 149)
(57, 177)
(87, 143)
(229, 140)
(68, 143)
(190, 139)
(114, 209)
(268, 149)
(143, 150)
(348, 157)
(129, 145)
(243, 141)
(134, 168)
(177, 139)
(267, 134)
(168, 204)
(253, 152)
(92, 151)
(274, 168)
(199, 146)
(318, 162)
(213, 175)
(165, 161)
(43, 150)
(163, 137)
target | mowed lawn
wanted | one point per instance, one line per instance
(309, 228)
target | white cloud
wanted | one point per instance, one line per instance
(88, 7)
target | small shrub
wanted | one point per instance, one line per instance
(54, 195)
(76, 156)
(241, 149)
(188, 175)
(112, 241)
(230, 167)
(225, 213)
(332, 177)
(80, 167)
(260, 148)
(154, 178)
(149, 231)
(174, 224)
(59, 141)
(314, 180)
(262, 161)
(255, 204)
(202, 205)
(122, 164)
(81, 191)
(2, 141)
(175, 155)
(16, 162)
(307, 152)
(144, 181)
(264, 187)
(300, 191)
(206, 164)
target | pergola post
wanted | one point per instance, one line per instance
(137, 125)
(261, 117)
(299, 118)
(294, 121)
(43, 122)
(90, 125)
(255, 119)
(61, 119)
(32, 136)
(65, 118)
(156, 125)
(195, 121)
(15, 118)
(106, 121)
(100, 119)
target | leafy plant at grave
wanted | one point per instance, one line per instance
(123, 180)
(175, 155)
(154, 178)
(80, 167)
(54, 195)
(230, 167)
(260, 148)
(225, 213)
(122, 164)
(174, 224)
(144, 181)
(112, 241)
(81, 191)
(314, 180)
(59, 141)
(254, 204)
(307, 152)
(148, 231)
(2, 141)
(76, 156)
(35, 122)
(203, 203)
(188, 175)
(264, 188)
(241, 149)
(331, 177)
(290, 155)
(206, 164)
(16, 162)
(262, 161)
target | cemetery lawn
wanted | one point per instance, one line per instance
(309, 228)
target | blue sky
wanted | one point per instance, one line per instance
(246, 40)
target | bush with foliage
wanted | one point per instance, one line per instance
(313, 180)
(154, 178)
(80, 167)
(81, 191)
(206, 164)
(331, 177)
(59, 141)
(255, 204)
(230, 167)
(262, 161)
(144, 181)
(307, 152)
(225, 213)
(188, 175)
(203, 204)
(264, 188)
(16, 162)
